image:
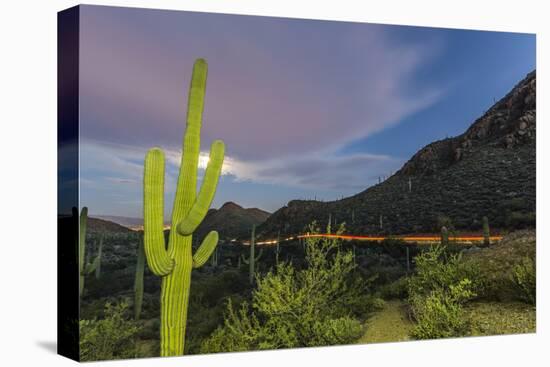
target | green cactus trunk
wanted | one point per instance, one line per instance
(252, 260)
(138, 282)
(84, 267)
(277, 250)
(99, 252)
(174, 264)
(486, 231)
(82, 249)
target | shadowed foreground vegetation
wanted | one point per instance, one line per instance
(322, 293)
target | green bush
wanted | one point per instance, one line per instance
(524, 278)
(315, 306)
(441, 285)
(395, 290)
(440, 314)
(437, 268)
(113, 337)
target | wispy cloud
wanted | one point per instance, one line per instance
(285, 96)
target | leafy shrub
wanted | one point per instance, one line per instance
(517, 220)
(395, 290)
(440, 314)
(437, 269)
(437, 292)
(524, 278)
(113, 337)
(377, 303)
(497, 263)
(314, 306)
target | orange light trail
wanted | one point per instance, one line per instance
(409, 239)
(402, 238)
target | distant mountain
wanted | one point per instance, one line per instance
(129, 222)
(489, 170)
(231, 221)
(96, 225)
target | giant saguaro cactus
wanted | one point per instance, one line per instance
(252, 260)
(85, 268)
(174, 264)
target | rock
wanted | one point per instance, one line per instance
(458, 154)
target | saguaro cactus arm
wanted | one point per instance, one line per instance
(158, 259)
(208, 189)
(91, 267)
(206, 248)
(260, 253)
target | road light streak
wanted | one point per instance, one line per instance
(407, 239)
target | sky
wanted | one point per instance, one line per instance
(307, 109)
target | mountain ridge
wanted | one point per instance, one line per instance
(489, 170)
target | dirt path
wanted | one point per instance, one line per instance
(388, 325)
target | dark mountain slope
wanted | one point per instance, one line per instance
(231, 221)
(489, 170)
(96, 225)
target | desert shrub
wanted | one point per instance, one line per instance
(395, 290)
(444, 221)
(517, 219)
(524, 278)
(497, 264)
(437, 268)
(314, 306)
(377, 304)
(440, 313)
(113, 337)
(441, 285)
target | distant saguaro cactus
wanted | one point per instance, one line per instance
(252, 260)
(174, 264)
(214, 258)
(138, 281)
(444, 236)
(83, 267)
(99, 251)
(486, 231)
(277, 249)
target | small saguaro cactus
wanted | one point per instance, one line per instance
(174, 264)
(444, 236)
(486, 231)
(99, 251)
(278, 248)
(85, 268)
(252, 260)
(138, 282)
(214, 257)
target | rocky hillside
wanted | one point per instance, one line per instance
(488, 170)
(231, 221)
(96, 225)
